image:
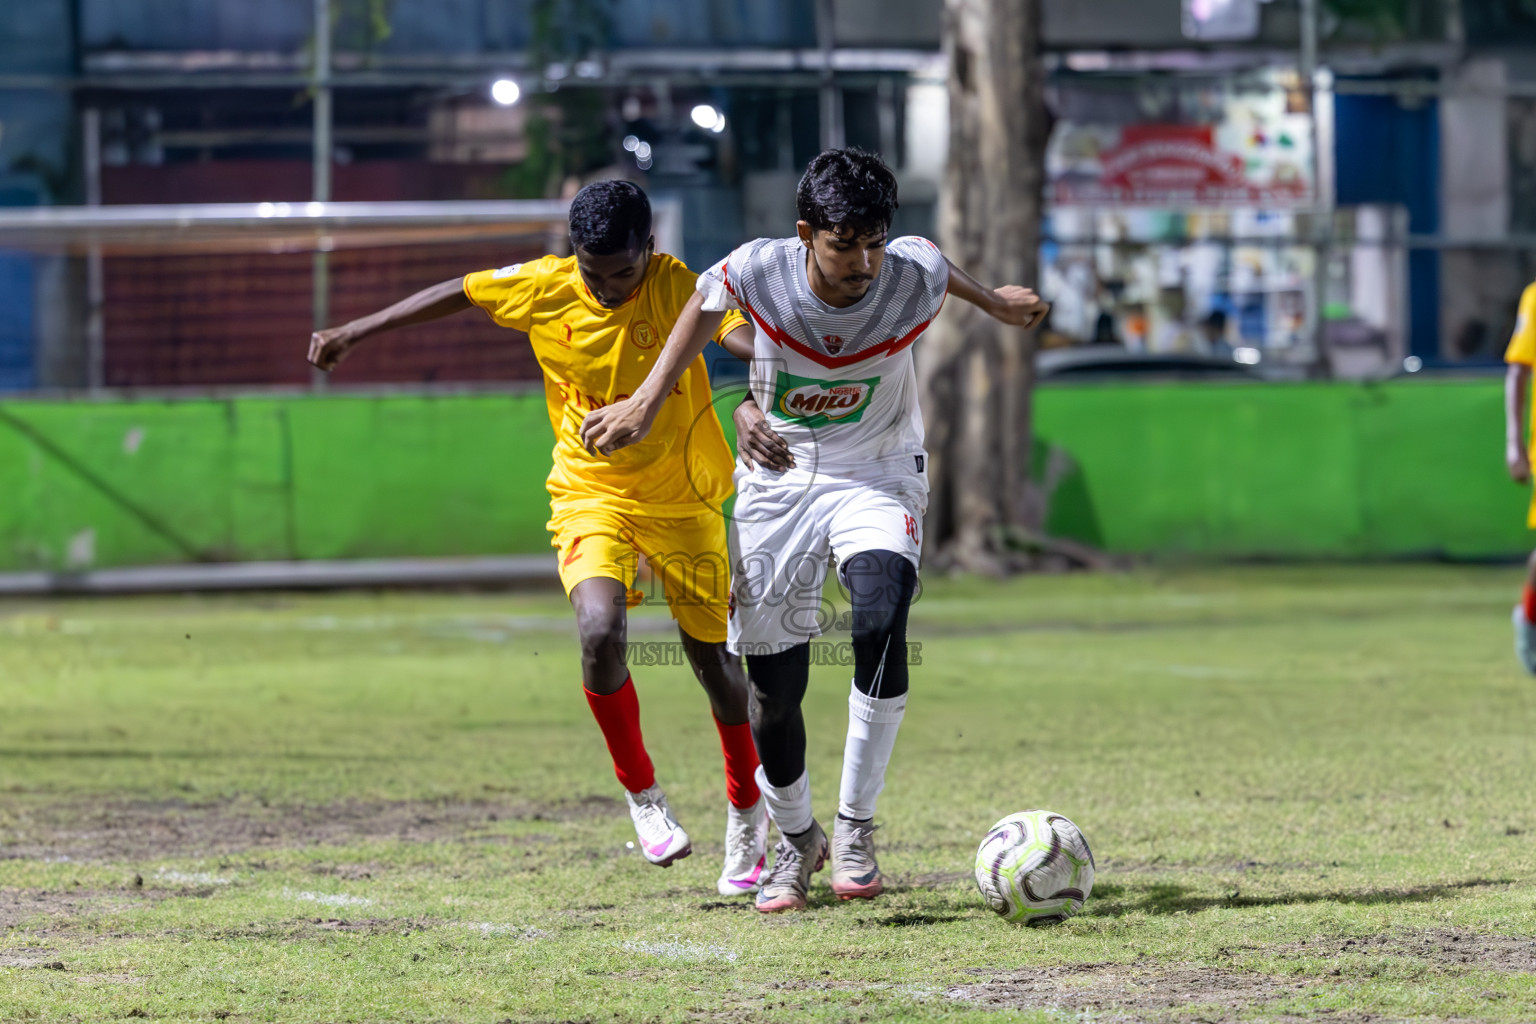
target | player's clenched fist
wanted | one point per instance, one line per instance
(1518, 461)
(329, 347)
(1019, 306)
(606, 430)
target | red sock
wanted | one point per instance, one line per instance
(618, 715)
(1528, 602)
(740, 764)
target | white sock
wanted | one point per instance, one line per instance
(789, 806)
(872, 725)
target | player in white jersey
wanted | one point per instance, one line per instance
(834, 466)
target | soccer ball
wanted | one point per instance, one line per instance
(1034, 867)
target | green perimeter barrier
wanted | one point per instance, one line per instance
(1409, 468)
(1404, 469)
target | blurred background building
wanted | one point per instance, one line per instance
(1319, 190)
(1185, 189)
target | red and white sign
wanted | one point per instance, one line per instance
(1175, 165)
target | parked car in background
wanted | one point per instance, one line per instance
(1107, 362)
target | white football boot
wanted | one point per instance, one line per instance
(746, 849)
(1525, 640)
(662, 839)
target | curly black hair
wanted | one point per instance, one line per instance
(847, 188)
(608, 217)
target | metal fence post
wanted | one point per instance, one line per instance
(321, 193)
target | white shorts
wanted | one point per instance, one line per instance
(787, 525)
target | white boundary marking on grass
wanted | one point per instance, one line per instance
(191, 877)
(685, 950)
(331, 899)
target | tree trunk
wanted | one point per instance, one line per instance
(976, 375)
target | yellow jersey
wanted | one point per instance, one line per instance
(593, 356)
(1522, 344)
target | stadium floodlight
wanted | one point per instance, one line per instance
(506, 92)
(1246, 356)
(1220, 20)
(709, 118)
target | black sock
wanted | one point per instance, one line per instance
(880, 588)
(777, 683)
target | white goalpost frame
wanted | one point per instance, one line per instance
(92, 231)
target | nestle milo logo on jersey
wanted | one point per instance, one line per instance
(814, 403)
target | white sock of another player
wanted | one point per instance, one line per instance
(789, 806)
(872, 725)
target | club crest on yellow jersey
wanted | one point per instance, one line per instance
(643, 334)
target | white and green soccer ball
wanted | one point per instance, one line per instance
(1034, 867)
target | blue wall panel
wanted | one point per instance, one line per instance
(1390, 153)
(16, 316)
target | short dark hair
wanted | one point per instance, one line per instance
(847, 188)
(608, 217)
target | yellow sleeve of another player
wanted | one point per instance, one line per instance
(507, 294)
(679, 289)
(733, 319)
(1522, 344)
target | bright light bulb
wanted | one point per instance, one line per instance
(643, 152)
(706, 116)
(631, 143)
(506, 92)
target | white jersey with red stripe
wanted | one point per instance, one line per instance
(838, 384)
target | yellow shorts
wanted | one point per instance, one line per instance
(688, 556)
(1530, 516)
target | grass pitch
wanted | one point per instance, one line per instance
(1309, 791)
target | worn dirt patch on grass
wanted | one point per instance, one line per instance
(1443, 947)
(40, 910)
(136, 830)
(309, 927)
(1113, 992)
(29, 956)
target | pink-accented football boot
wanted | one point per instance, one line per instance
(662, 839)
(746, 850)
(855, 875)
(794, 862)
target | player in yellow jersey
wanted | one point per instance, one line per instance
(1521, 356)
(597, 322)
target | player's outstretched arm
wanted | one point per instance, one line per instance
(1011, 304)
(330, 346)
(626, 422)
(1517, 390)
